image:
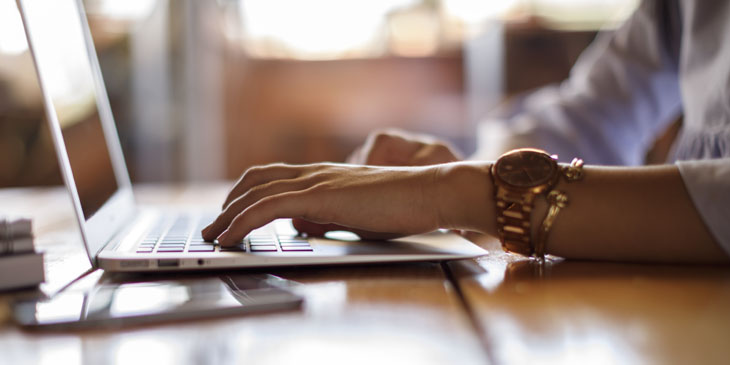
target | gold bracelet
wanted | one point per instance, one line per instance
(574, 171)
(557, 200)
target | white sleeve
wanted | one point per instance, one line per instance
(622, 92)
(708, 183)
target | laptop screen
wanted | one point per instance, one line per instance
(63, 65)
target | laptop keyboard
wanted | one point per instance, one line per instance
(182, 235)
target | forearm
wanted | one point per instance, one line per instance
(635, 214)
(626, 214)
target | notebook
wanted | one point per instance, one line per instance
(121, 236)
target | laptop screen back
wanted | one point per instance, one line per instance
(63, 65)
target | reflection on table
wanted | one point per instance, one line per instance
(597, 312)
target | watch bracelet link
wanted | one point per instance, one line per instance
(514, 231)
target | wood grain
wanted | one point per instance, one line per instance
(597, 312)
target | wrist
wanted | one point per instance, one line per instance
(465, 199)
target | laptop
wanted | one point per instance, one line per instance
(119, 235)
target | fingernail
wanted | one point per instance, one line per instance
(222, 238)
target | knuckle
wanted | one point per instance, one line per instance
(276, 165)
(442, 148)
(250, 173)
(382, 137)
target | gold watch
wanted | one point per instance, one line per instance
(519, 176)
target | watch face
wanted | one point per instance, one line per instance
(525, 168)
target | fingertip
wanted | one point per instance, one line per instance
(228, 238)
(223, 238)
(211, 231)
(205, 234)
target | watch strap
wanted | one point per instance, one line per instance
(513, 222)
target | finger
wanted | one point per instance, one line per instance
(363, 153)
(248, 198)
(391, 150)
(286, 205)
(258, 175)
(433, 154)
(315, 229)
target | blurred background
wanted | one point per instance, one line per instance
(202, 89)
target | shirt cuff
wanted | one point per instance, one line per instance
(708, 183)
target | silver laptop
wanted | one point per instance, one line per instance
(118, 235)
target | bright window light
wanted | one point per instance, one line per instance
(12, 36)
(335, 29)
(122, 9)
(472, 12)
(314, 29)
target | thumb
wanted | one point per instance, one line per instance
(318, 230)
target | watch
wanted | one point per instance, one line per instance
(519, 176)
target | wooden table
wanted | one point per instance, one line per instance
(398, 313)
(596, 312)
(495, 309)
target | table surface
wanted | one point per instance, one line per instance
(498, 308)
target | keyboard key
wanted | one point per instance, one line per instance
(267, 248)
(170, 249)
(174, 240)
(182, 234)
(201, 249)
(297, 249)
(270, 243)
(294, 244)
(293, 240)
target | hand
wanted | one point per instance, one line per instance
(394, 147)
(390, 147)
(393, 200)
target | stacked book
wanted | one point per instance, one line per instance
(20, 265)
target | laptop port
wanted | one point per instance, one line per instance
(168, 263)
